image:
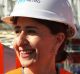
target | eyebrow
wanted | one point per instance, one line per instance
(31, 27)
(17, 27)
(26, 27)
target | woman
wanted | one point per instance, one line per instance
(42, 28)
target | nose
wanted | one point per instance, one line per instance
(22, 40)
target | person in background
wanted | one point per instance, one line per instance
(42, 28)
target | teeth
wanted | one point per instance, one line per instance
(29, 51)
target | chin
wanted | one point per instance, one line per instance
(27, 63)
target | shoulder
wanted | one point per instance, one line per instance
(15, 71)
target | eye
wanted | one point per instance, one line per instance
(31, 32)
(17, 29)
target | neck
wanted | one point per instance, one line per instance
(27, 71)
(40, 70)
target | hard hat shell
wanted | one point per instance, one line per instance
(53, 10)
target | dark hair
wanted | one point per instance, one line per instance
(55, 27)
(14, 20)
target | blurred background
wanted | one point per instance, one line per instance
(72, 63)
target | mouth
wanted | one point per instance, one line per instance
(27, 53)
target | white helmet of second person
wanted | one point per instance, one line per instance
(54, 10)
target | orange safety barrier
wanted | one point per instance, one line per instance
(1, 59)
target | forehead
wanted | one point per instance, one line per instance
(21, 21)
(24, 21)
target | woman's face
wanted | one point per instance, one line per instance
(34, 44)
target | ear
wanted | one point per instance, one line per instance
(60, 37)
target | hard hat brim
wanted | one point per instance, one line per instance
(34, 14)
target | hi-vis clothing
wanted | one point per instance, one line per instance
(20, 71)
(15, 71)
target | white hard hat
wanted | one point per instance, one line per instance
(54, 10)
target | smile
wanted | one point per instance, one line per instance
(27, 53)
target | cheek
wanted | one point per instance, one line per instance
(34, 40)
(15, 46)
(45, 45)
(48, 46)
(15, 43)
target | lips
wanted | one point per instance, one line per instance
(28, 53)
